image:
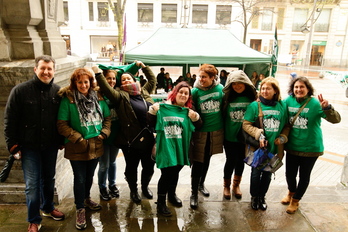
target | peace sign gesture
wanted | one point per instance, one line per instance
(323, 102)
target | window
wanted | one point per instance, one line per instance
(280, 18)
(199, 14)
(103, 12)
(255, 20)
(223, 14)
(267, 19)
(169, 13)
(322, 23)
(66, 11)
(145, 12)
(300, 19)
(91, 13)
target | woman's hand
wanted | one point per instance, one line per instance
(154, 108)
(96, 69)
(100, 137)
(194, 116)
(263, 141)
(323, 102)
(139, 63)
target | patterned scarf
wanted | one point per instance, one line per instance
(132, 88)
(88, 108)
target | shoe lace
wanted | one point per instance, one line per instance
(80, 217)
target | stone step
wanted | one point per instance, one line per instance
(12, 193)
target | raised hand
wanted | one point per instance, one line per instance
(323, 102)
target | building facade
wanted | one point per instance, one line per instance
(308, 30)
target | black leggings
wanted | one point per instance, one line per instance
(169, 177)
(235, 154)
(199, 170)
(302, 165)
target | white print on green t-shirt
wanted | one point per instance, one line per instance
(173, 131)
(300, 123)
(209, 95)
(238, 115)
(210, 106)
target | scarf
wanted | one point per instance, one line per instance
(198, 85)
(88, 108)
(132, 88)
(267, 102)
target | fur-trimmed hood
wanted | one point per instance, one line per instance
(66, 92)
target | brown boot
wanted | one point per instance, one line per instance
(286, 200)
(227, 189)
(294, 204)
(235, 188)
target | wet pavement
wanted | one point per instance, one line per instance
(323, 208)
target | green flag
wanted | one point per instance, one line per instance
(275, 54)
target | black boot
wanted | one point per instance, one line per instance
(134, 195)
(162, 206)
(262, 203)
(145, 180)
(203, 190)
(104, 194)
(254, 203)
(194, 192)
(172, 198)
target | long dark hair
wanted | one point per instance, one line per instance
(174, 92)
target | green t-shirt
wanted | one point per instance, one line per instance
(234, 117)
(306, 134)
(208, 104)
(115, 123)
(174, 129)
(68, 112)
(274, 118)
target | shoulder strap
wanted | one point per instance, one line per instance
(260, 116)
(299, 111)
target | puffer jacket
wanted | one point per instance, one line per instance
(130, 125)
(31, 115)
(75, 148)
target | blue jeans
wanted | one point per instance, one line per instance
(259, 182)
(107, 166)
(39, 168)
(83, 179)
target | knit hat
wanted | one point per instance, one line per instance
(293, 75)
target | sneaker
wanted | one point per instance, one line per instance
(104, 194)
(33, 227)
(114, 192)
(81, 219)
(92, 205)
(55, 214)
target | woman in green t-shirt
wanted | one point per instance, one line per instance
(84, 120)
(239, 93)
(305, 140)
(274, 117)
(208, 140)
(175, 122)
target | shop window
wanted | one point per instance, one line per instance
(323, 22)
(90, 10)
(66, 11)
(199, 14)
(223, 14)
(169, 13)
(103, 12)
(300, 19)
(267, 19)
(145, 12)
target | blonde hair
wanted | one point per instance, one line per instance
(275, 85)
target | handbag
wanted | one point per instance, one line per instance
(144, 140)
(264, 160)
(245, 138)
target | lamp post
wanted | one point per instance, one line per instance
(310, 36)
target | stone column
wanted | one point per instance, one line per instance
(30, 28)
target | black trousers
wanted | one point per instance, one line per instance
(302, 165)
(169, 178)
(198, 169)
(235, 154)
(133, 157)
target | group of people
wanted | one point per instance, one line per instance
(104, 110)
(165, 82)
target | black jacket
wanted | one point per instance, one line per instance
(31, 115)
